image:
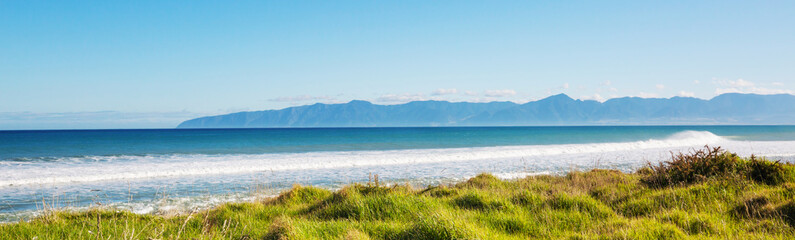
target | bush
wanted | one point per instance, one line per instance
(767, 172)
(698, 165)
(702, 164)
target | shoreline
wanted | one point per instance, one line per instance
(652, 203)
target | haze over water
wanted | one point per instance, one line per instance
(150, 171)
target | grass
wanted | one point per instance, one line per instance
(705, 194)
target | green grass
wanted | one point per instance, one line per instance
(745, 203)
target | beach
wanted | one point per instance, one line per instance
(166, 171)
(703, 194)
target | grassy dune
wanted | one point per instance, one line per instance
(701, 195)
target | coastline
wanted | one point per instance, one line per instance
(582, 205)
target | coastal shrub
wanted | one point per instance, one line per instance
(696, 166)
(699, 165)
(764, 171)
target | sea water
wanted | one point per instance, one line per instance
(177, 170)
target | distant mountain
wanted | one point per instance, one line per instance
(730, 108)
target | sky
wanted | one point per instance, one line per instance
(153, 64)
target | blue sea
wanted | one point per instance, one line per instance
(166, 171)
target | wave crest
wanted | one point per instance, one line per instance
(120, 168)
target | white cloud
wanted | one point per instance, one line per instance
(526, 100)
(647, 95)
(686, 94)
(493, 99)
(444, 91)
(482, 99)
(720, 91)
(499, 93)
(777, 84)
(300, 98)
(741, 83)
(565, 86)
(755, 90)
(595, 97)
(606, 83)
(400, 98)
(470, 93)
(612, 89)
(745, 86)
(659, 86)
(696, 81)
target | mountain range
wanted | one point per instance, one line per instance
(729, 108)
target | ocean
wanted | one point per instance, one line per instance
(176, 170)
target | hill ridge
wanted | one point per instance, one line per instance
(560, 109)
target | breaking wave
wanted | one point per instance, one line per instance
(121, 168)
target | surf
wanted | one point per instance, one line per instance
(121, 168)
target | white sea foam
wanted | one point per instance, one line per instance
(123, 168)
(517, 175)
(165, 206)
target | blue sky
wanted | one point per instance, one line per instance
(66, 64)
